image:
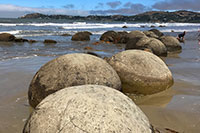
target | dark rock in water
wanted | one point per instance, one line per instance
(7, 37)
(124, 26)
(32, 41)
(114, 37)
(109, 36)
(81, 36)
(157, 32)
(141, 72)
(152, 26)
(161, 26)
(142, 26)
(66, 34)
(20, 40)
(172, 43)
(49, 41)
(87, 32)
(87, 109)
(71, 70)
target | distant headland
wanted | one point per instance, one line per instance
(181, 16)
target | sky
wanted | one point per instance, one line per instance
(17, 8)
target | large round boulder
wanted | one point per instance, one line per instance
(71, 70)
(109, 36)
(171, 43)
(136, 33)
(137, 43)
(157, 32)
(150, 34)
(87, 108)
(157, 47)
(141, 72)
(81, 36)
(6, 37)
(121, 37)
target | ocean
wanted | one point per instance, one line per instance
(177, 108)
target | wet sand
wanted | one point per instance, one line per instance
(177, 108)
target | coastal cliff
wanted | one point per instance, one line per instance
(152, 16)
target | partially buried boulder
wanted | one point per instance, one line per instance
(7, 37)
(81, 36)
(87, 108)
(71, 70)
(171, 43)
(141, 72)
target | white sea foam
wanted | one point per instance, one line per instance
(7, 24)
(19, 57)
(13, 32)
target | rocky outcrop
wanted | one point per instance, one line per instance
(172, 43)
(71, 70)
(89, 109)
(81, 36)
(141, 72)
(6, 37)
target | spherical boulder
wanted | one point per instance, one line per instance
(150, 34)
(157, 47)
(7, 37)
(71, 70)
(157, 32)
(87, 108)
(136, 33)
(137, 43)
(81, 36)
(171, 43)
(141, 72)
(109, 36)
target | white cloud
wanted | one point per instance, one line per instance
(13, 11)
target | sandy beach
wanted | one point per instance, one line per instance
(177, 108)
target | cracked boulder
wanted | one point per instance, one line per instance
(141, 72)
(87, 109)
(71, 70)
